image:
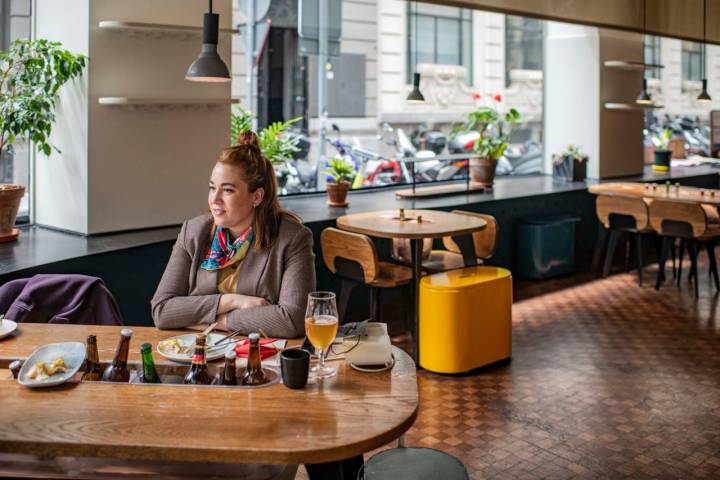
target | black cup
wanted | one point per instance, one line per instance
(295, 365)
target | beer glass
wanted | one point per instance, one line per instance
(321, 325)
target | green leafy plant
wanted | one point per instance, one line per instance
(274, 144)
(662, 140)
(494, 129)
(31, 73)
(340, 170)
(574, 151)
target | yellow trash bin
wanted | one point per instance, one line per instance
(465, 319)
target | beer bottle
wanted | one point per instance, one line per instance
(118, 371)
(254, 374)
(228, 376)
(198, 373)
(149, 375)
(93, 371)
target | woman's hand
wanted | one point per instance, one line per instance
(236, 301)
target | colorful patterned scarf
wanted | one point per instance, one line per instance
(224, 252)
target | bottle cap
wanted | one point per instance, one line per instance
(231, 355)
(145, 347)
(200, 338)
(254, 337)
(126, 332)
(91, 339)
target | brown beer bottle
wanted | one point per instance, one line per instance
(254, 374)
(228, 376)
(93, 371)
(198, 373)
(118, 370)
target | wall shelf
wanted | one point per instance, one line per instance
(633, 66)
(630, 106)
(165, 103)
(156, 30)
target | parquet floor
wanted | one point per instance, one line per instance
(608, 380)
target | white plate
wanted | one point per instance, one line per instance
(73, 353)
(189, 339)
(7, 327)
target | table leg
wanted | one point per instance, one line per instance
(416, 255)
(467, 248)
(347, 469)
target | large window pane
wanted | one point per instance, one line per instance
(448, 41)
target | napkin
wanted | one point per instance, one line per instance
(266, 351)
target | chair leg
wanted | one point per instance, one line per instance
(680, 260)
(664, 251)
(373, 304)
(710, 246)
(628, 248)
(672, 255)
(346, 288)
(599, 248)
(639, 251)
(612, 244)
(693, 251)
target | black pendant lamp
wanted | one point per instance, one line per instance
(415, 95)
(704, 95)
(644, 98)
(208, 66)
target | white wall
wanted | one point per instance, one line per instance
(131, 168)
(572, 89)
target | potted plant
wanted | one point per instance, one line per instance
(662, 151)
(31, 73)
(494, 128)
(570, 165)
(342, 174)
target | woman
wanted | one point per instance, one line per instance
(248, 265)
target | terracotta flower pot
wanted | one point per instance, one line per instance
(10, 197)
(337, 194)
(482, 170)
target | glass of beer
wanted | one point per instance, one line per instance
(321, 325)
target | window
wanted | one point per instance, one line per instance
(691, 61)
(523, 45)
(652, 55)
(14, 24)
(446, 37)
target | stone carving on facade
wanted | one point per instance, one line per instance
(444, 87)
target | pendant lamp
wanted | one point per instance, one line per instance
(208, 66)
(644, 98)
(415, 95)
(704, 95)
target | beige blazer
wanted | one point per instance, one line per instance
(284, 274)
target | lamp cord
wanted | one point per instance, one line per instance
(416, 37)
(644, 35)
(704, 52)
(210, 5)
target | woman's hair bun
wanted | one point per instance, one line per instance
(248, 138)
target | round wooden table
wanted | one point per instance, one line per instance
(416, 225)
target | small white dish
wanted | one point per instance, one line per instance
(73, 354)
(211, 353)
(7, 327)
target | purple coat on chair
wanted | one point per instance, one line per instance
(76, 299)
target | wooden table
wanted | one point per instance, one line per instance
(417, 225)
(338, 418)
(658, 191)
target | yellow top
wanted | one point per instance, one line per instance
(227, 278)
(463, 277)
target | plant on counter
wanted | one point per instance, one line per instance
(494, 128)
(31, 73)
(570, 165)
(662, 150)
(275, 144)
(342, 174)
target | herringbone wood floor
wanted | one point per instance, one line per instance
(608, 380)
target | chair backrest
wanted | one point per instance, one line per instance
(635, 207)
(666, 216)
(354, 247)
(485, 241)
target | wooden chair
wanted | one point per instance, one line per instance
(621, 217)
(688, 222)
(484, 243)
(353, 258)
